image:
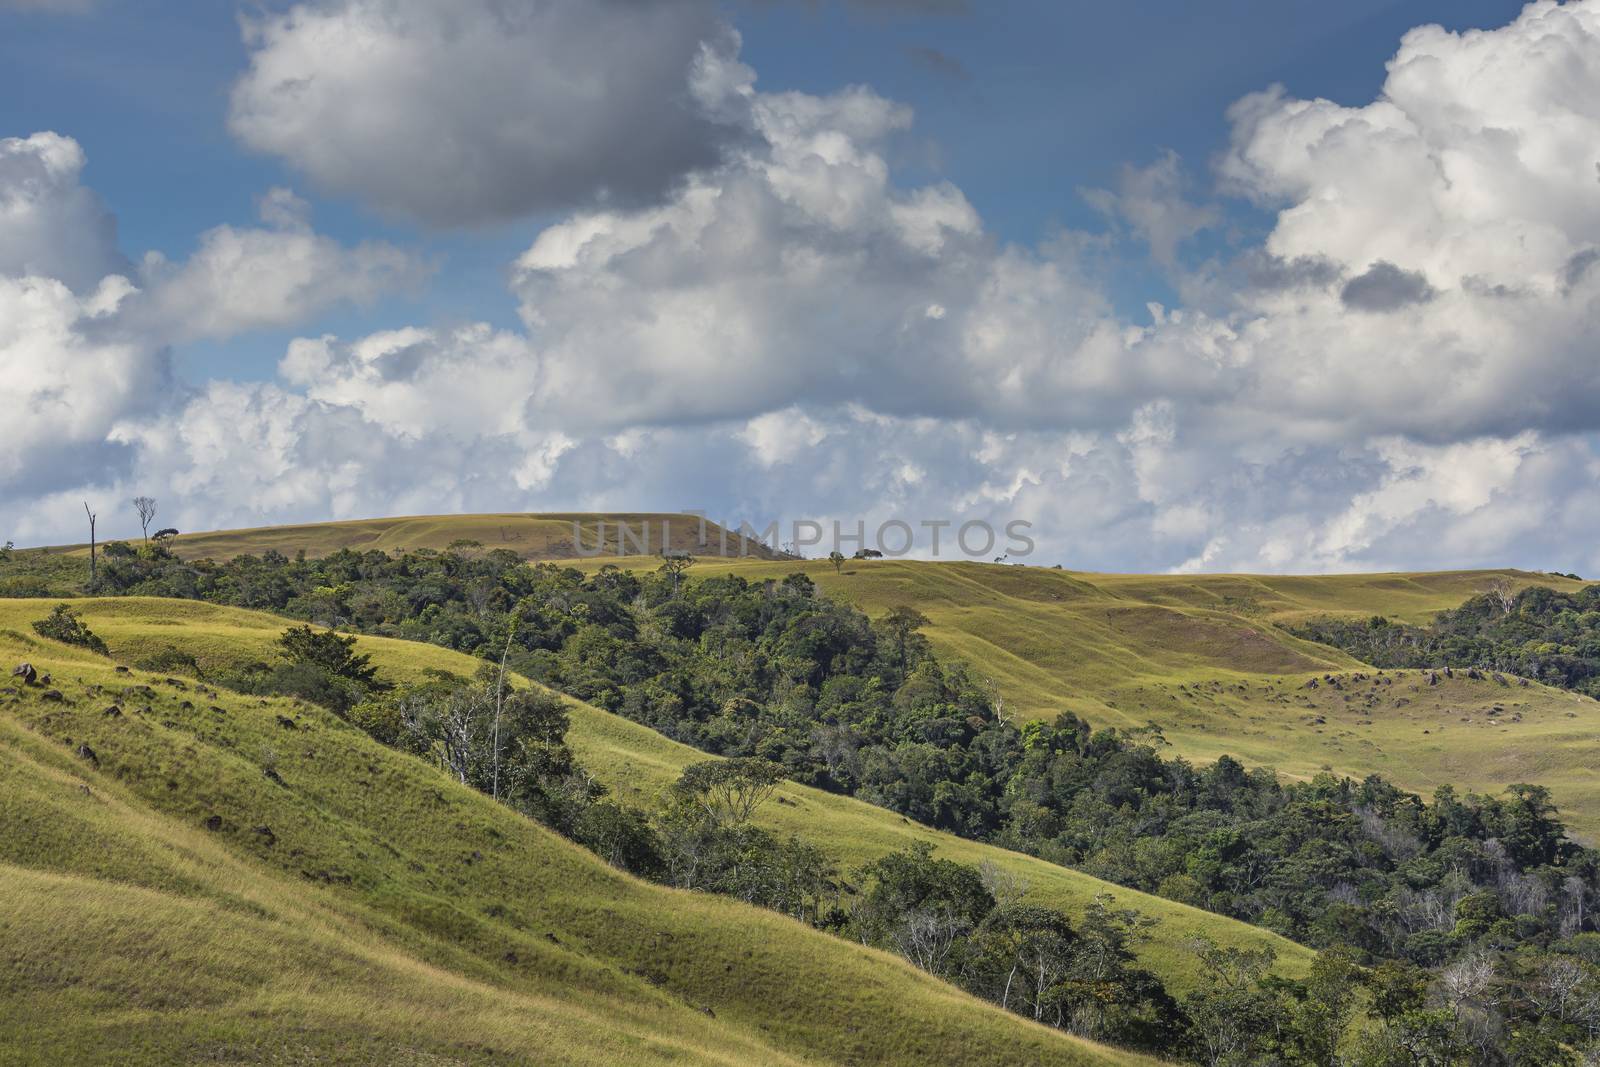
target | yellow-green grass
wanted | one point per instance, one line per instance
(637, 763)
(547, 535)
(1407, 597)
(162, 900)
(1203, 658)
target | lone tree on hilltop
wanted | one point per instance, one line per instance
(146, 507)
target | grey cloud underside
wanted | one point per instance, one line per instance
(1386, 287)
(1260, 270)
(478, 112)
(1579, 266)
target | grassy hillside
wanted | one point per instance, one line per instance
(165, 900)
(1200, 655)
(1203, 658)
(636, 763)
(541, 536)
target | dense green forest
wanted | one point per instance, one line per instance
(1538, 633)
(1467, 920)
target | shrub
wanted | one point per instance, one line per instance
(24, 586)
(168, 660)
(320, 666)
(63, 624)
(622, 837)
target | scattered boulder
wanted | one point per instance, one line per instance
(113, 712)
(26, 672)
(87, 754)
(53, 695)
(287, 723)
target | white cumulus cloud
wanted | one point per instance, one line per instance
(478, 111)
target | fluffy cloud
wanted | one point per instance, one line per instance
(799, 273)
(478, 111)
(284, 274)
(418, 382)
(1401, 375)
(51, 226)
(1462, 204)
(72, 376)
(85, 337)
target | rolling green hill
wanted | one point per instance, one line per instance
(637, 763)
(542, 536)
(1203, 658)
(165, 899)
(149, 844)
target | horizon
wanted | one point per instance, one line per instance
(614, 535)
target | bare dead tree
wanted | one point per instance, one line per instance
(94, 571)
(927, 935)
(1504, 593)
(997, 698)
(146, 507)
(500, 701)
(1007, 888)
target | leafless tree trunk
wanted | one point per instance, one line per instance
(927, 936)
(94, 570)
(1572, 907)
(500, 703)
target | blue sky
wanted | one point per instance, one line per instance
(1253, 284)
(1044, 98)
